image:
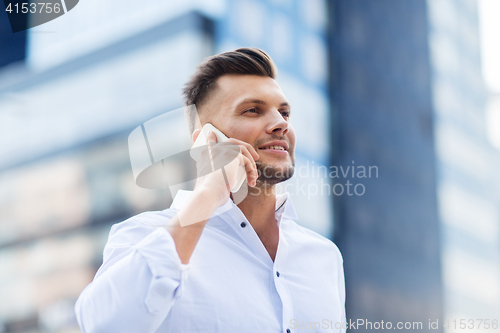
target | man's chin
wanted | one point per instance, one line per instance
(272, 174)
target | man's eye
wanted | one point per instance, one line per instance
(285, 114)
(252, 110)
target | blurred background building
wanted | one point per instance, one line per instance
(395, 87)
(423, 242)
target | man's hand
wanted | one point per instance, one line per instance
(215, 181)
(211, 190)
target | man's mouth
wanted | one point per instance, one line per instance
(273, 147)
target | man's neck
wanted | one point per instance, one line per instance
(259, 208)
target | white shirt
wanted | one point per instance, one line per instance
(230, 285)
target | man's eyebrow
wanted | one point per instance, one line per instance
(259, 101)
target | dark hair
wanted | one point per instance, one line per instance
(245, 61)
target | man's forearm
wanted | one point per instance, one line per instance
(187, 225)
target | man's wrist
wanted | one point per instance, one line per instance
(199, 208)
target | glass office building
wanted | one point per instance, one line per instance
(422, 244)
(467, 165)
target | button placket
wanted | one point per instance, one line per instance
(241, 225)
(280, 280)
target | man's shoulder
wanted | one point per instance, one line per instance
(307, 237)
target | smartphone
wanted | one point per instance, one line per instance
(201, 140)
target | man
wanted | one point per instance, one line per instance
(226, 267)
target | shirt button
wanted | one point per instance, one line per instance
(243, 224)
(288, 330)
(277, 274)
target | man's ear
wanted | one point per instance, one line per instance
(195, 134)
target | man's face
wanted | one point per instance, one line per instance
(253, 109)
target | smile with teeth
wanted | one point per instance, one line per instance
(273, 147)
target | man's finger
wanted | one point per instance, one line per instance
(211, 137)
(248, 155)
(247, 145)
(250, 170)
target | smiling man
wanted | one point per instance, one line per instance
(232, 268)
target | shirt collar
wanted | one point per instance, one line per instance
(284, 205)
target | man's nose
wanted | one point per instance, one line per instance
(277, 124)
